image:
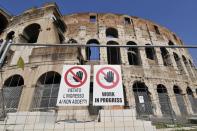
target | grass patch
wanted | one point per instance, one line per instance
(161, 125)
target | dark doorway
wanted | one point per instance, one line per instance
(180, 100)
(93, 53)
(142, 99)
(166, 57)
(166, 107)
(4, 23)
(46, 92)
(111, 33)
(12, 90)
(113, 54)
(192, 99)
(31, 33)
(150, 53)
(133, 54)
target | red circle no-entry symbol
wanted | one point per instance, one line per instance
(102, 73)
(80, 82)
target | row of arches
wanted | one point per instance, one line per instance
(134, 56)
(47, 87)
(45, 93)
(31, 32)
(29, 35)
(144, 101)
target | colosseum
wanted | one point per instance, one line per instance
(165, 77)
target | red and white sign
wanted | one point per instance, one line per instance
(74, 86)
(108, 89)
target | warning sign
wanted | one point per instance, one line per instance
(108, 89)
(74, 86)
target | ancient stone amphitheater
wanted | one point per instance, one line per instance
(159, 82)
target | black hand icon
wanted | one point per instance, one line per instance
(110, 77)
(79, 74)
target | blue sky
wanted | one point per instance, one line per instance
(180, 16)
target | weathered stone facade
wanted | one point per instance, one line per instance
(81, 28)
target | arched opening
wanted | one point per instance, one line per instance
(180, 100)
(11, 91)
(10, 36)
(133, 54)
(170, 43)
(92, 53)
(142, 99)
(166, 57)
(166, 107)
(150, 53)
(187, 65)
(192, 99)
(4, 23)
(46, 92)
(113, 53)
(31, 33)
(178, 63)
(111, 33)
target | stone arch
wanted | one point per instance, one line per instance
(133, 54)
(31, 33)
(192, 99)
(187, 65)
(178, 63)
(180, 100)
(111, 33)
(46, 91)
(113, 53)
(93, 53)
(12, 89)
(150, 53)
(164, 100)
(142, 99)
(165, 56)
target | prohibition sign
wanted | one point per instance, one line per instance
(81, 82)
(114, 83)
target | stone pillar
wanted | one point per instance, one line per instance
(155, 99)
(129, 91)
(187, 102)
(123, 51)
(173, 61)
(159, 57)
(143, 58)
(48, 33)
(173, 100)
(26, 98)
(103, 41)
